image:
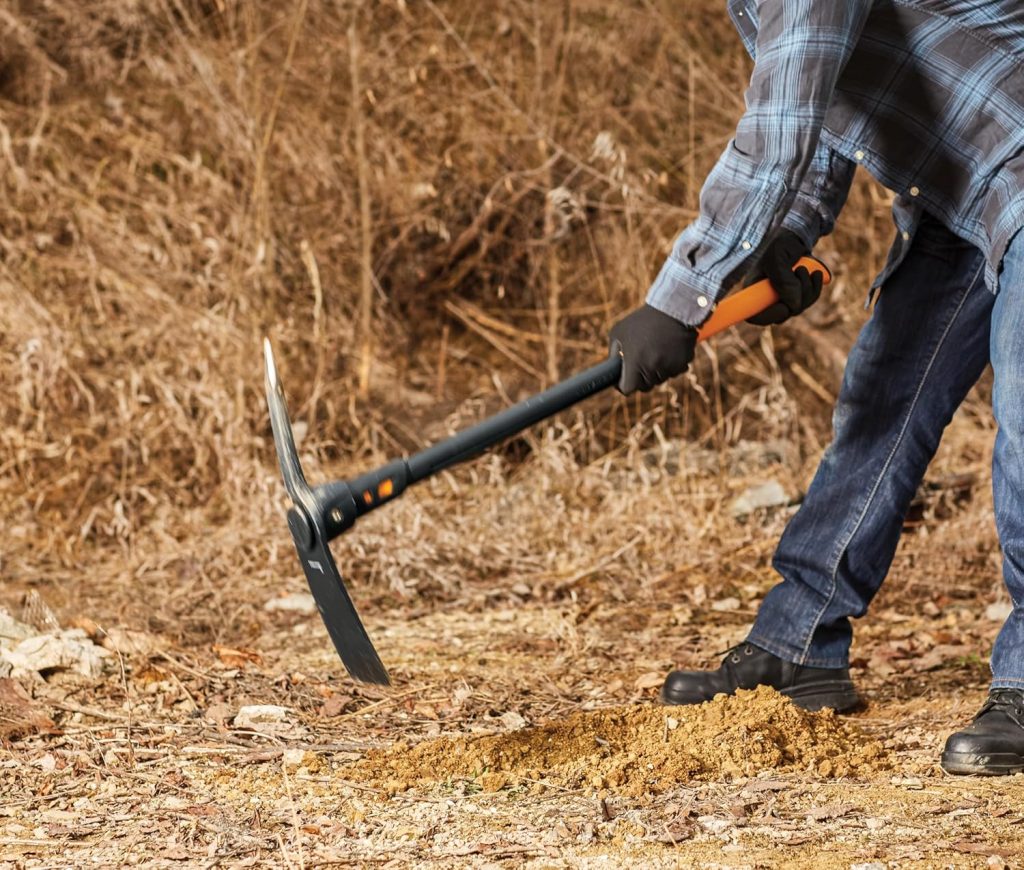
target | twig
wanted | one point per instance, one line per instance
(494, 341)
(366, 230)
(313, 270)
(203, 676)
(268, 131)
(295, 815)
(607, 560)
(71, 707)
(18, 841)
(485, 319)
(442, 359)
(269, 754)
(808, 380)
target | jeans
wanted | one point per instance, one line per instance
(934, 329)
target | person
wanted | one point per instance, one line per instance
(928, 96)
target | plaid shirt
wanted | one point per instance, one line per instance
(927, 95)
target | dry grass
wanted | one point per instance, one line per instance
(433, 208)
(487, 186)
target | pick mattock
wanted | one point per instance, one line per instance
(319, 514)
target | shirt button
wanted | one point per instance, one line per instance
(745, 246)
(858, 155)
(906, 236)
(702, 301)
(914, 191)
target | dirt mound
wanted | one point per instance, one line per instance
(634, 749)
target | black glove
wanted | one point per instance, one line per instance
(654, 347)
(798, 290)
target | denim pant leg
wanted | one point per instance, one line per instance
(1008, 460)
(913, 363)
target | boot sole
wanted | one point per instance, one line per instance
(841, 697)
(838, 696)
(978, 764)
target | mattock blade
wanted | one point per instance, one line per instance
(307, 525)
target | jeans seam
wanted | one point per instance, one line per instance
(834, 579)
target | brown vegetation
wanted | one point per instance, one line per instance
(183, 177)
(433, 208)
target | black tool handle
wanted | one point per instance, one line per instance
(342, 502)
(502, 425)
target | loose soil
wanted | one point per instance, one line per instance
(151, 767)
(636, 750)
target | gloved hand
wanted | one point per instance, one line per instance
(798, 290)
(654, 348)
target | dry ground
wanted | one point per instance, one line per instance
(433, 208)
(146, 764)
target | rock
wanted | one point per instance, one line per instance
(999, 611)
(745, 457)
(293, 757)
(714, 825)
(512, 720)
(63, 650)
(762, 495)
(492, 782)
(260, 714)
(263, 717)
(12, 631)
(47, 763)
(726, 604)
(26, 651)
(297, 602)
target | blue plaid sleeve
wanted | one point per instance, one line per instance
(821, 196)
(801, 48)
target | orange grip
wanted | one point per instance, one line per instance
(752, 300)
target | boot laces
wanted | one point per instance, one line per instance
(735, 653)
(1007, 701)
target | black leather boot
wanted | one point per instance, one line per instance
(993, 744)
(747, 666)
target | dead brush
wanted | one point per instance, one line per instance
(181, 177)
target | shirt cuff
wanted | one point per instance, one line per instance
(683, 293)
(804, 219)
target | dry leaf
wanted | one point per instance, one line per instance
(175, 853)
(829, 811)
(237, 658)
(19, 714)
(650, 680)
(334, 705)
(129, 642)
(427, 711)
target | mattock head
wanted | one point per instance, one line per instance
(308, 526)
